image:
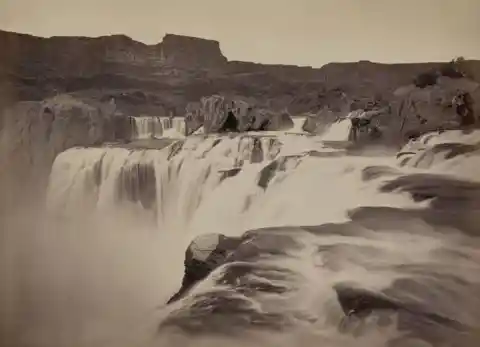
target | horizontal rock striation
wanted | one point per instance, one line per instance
(183, 69)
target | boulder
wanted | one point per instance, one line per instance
(268, 120)
(219, 114)
(449, 104)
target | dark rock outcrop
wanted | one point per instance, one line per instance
(438, 106)
(448, 103)
(218, 114)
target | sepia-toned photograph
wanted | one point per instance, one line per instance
(256, 173)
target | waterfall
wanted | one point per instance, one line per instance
(298, 125)
(148, 127)
(319, 219)
(338, 131)
(180, 175)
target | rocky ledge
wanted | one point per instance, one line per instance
(60, 92)
(164, 78)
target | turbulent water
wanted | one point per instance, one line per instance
(110, 250)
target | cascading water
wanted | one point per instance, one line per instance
(338, 131)
(368, 227)
(148, 127)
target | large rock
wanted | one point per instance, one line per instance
(448, 103)
(421, 110)
(217, 114)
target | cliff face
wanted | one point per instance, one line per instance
(30, 56)
(73, 91)
(182, 69)
(33, 68)
(191, 52)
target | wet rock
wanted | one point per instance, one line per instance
(373, 172)
(318, 123)
(275, 167)
(219, 114)
(366, 310)
(448, 104)
(355, 301)
(446, 192)
(431, 155)
(257, 151)
(267, 120)
(230, 173)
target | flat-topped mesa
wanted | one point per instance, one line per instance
(151, 79)
(191, 52)
(32, 56)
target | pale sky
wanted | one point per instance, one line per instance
(302, 32)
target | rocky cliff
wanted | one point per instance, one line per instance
(60, 92)
(183, 69)
(33, 68)
(32, 133)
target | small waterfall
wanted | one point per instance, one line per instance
(338, 131)
(444, 152)
(151, 127)
(298, 125)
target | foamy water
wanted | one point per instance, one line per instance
(338, 131)
(111, 250)
(147, 127)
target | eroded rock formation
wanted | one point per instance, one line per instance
(183, 69)
(411, 110)
(33, 133)
(218, 114)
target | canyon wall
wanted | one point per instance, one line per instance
(60, 92)
(183, 69)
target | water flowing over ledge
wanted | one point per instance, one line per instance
(147, 127)
(359, 210)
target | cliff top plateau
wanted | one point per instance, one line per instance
(166, 76)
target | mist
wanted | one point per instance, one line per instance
(81, 268)
(85, 282)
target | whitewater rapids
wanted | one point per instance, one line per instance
(111, 251)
